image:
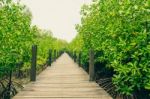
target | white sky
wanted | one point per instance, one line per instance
(59, 16)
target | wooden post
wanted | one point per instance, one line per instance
(74, 55)
(91, 65)
(57, 54)
(54, 55)
(60, 52)
(33, 63)
(79, 59)
(50, 58)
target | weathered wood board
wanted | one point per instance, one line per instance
(63, 80)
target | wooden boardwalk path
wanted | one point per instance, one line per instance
(63, 80)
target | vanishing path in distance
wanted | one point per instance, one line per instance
(63, 80)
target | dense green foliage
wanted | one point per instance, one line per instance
(17, 37)
(117, 30)
(120, 31)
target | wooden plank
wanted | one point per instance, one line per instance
(63, 80)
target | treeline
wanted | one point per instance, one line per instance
(17, 36)
(119, 33)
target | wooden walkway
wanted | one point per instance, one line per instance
(63, 80)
